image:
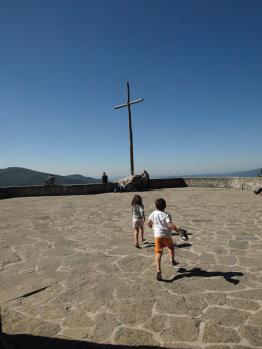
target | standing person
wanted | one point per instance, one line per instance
(104, 178)
(138, 216)
(145, 179)
(161, 222)
(50, 180)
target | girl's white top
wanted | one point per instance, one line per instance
(137, 212)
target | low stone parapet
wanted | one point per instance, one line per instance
(40, 190)
(244, 183)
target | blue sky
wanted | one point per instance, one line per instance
(64, 66)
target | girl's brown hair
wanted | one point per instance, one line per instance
(137, 200)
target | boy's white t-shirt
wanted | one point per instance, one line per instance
(160, 221)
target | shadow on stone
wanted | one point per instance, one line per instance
(228, 276)
(185, 245)
(148, 244)
(25, 341)
(151, 244)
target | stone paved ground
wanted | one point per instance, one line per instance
(68, 269)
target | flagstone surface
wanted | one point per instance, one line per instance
(69, 269)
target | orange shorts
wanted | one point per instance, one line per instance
(163, 242)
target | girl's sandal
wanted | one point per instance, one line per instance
(159, 276)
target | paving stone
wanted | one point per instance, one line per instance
(16, 323)
(226, 259)
(256, 319)
(82, 250)
(217, 347)
(76, 318)
(76, 333)
(239, 244)
(46, 312)
(215, 298)
(157, 323)
(253, 335)
(134, 337)
(195, 304)
(226, 317)
(181, 329)
(255, 294)
(238, 346)
(132, 311)
(105, 324)
(244, 304)
(214, 333)
(171, 304)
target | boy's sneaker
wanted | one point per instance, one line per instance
(183, 234)
(159, 276)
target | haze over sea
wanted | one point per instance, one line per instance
(197, 64)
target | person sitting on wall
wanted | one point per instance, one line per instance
(50, 180)
(104, 178)
(258, 191)
(119, 188)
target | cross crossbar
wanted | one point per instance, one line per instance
(126, 104)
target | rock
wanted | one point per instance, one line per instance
(131, 183)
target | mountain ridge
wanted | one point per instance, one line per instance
(20, 176)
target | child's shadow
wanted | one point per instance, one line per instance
(184, 245)
(149, 244)
(228, 276)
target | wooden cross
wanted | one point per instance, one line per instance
(128, 104)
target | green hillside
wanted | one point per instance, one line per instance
(18, 176)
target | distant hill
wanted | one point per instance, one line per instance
(248, 173)
(18, 176)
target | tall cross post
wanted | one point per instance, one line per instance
(128, 105)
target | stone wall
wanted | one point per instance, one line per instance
(247, 183)
(39, 190)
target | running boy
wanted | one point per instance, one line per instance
(138, 216)
(161, 222)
